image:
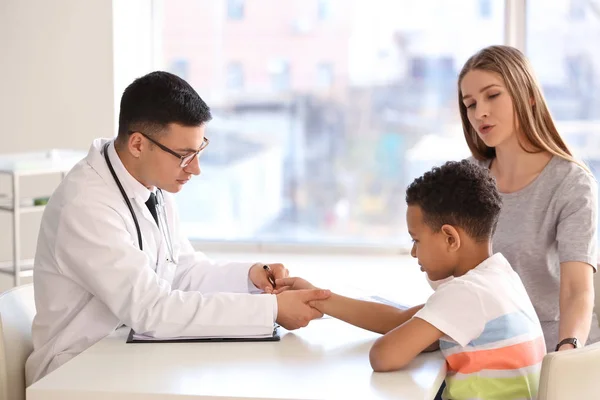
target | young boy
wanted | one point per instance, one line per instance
(482, 317)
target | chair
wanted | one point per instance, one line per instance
(597, 293)
(17, 309)
(572, 374)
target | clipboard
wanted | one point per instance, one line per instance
(131, 338)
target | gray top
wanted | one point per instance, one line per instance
(552, 220)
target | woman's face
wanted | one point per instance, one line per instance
(489, 107)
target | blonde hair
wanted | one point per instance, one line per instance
(534, 121)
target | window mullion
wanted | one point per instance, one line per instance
(514, 23)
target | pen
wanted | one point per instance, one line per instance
(269, 275)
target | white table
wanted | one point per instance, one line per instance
(326, 360)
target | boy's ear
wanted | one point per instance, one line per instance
(451, 237)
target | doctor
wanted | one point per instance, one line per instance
(110, 248)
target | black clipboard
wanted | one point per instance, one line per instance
(274, 338)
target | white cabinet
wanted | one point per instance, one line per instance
(17, 166)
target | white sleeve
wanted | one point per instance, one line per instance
(195, 271)
(455, 308)
(97, 251)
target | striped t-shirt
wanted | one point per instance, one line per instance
(493, 342)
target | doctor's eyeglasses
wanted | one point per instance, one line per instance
(185, 159)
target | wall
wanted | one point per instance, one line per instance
(58, 86)
(133, 48)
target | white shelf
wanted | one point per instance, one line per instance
(40, 162)
(26, 268)
(23, 210)
(18, 165)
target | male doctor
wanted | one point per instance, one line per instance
(110, 249)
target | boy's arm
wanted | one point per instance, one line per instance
(375, 317)
(400, 346)
(455, 309)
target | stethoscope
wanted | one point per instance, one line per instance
(160, 208)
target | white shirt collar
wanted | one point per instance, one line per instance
(132, 186)
(495, 260)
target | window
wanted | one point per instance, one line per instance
(180, 68)
(235, 76)
(485, 8)
(324, 75)
(577, 9)
(290, 162)
(324, 9)
(235, 9)
(279, 70)
(569, 71)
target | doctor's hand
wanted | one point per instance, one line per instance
(292, 284)
(260, 276)
(294, 310)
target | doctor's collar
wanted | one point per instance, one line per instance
(133, 187)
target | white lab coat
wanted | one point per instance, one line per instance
(90, 275)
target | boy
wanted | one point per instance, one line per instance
(482, 317)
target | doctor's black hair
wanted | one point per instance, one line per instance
(461, 194)
(155, 100)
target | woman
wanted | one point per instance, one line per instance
(548, 225)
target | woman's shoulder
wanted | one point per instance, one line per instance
(570, 181)
(570, 173)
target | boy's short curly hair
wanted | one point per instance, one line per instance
(459, 193)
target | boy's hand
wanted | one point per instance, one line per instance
(292, 284)
(293, 309)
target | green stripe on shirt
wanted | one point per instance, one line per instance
(476, 387)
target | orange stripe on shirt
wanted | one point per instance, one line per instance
(517, 356)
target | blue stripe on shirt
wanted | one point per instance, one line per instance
(501, 328)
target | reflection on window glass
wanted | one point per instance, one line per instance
(291, 162)
(577, 9)
(279, 70)
(235, 9)
(485, 8)
(324, 75)
(324, 9)
(179, 68)
(235, 76)
(569, 70)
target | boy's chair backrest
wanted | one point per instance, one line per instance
(17, 309)
(572, 374)
(597, 293)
